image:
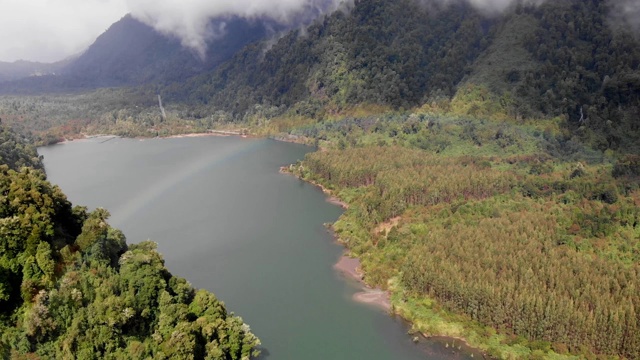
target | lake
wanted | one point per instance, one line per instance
(226, 220)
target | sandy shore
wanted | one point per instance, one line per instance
(102, 138)
(179, 136)
(350, 267)
(209, 133)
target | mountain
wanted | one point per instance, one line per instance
(21, 69)
(556, 59)
(133, 53)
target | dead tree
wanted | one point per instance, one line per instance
(583, 119)
(164, 115)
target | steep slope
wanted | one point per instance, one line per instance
(131, 52)
(389, 52)
(556, 59)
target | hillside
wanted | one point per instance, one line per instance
(403, 54)
(130, 52)
(16, 70)
(71, 287)
(398, 55)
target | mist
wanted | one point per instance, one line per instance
(625, 14)
(50, 30)
(489, 7)
(189, 20)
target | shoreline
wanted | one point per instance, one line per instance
(243, 133)
(330, 197)
(221, 133)
(349, 267)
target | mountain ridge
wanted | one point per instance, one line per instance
(130, 53)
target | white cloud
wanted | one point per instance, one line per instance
(626, 14)
(50, 30)
(488, 6)
(189, 19)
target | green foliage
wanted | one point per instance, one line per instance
(70, 287)
(560, 60)
(385, 52)
(628, 166)
(588, 72)
(15, 152)
(531, 246)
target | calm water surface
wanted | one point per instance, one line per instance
(228, 221)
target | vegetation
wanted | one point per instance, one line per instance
(503, 148)
(71, 287)
(397, 55)
(15, 153)
(520, 237)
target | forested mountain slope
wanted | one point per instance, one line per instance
(70, 286)
(389, 52)
(556, 59)
(131, 52)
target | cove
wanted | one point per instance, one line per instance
(226, 220)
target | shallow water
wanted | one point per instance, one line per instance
(228, 221)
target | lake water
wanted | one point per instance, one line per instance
(228, 221)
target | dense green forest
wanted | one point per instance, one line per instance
(544, 248)
(71, 287)
(490, 163)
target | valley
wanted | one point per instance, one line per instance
(488, 159)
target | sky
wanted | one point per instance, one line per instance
(52, 30)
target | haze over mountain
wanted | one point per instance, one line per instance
(162, 42)
(453, 128)
(131, 52)
(535, 60)
(21, 69)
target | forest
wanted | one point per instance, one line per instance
(544, 249)
(71, 287)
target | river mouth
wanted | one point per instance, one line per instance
(226, 220)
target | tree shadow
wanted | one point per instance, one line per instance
(264, 354)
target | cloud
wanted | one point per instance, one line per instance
(487, 6)
(625, 14)
(189, 20)
(50, 30)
